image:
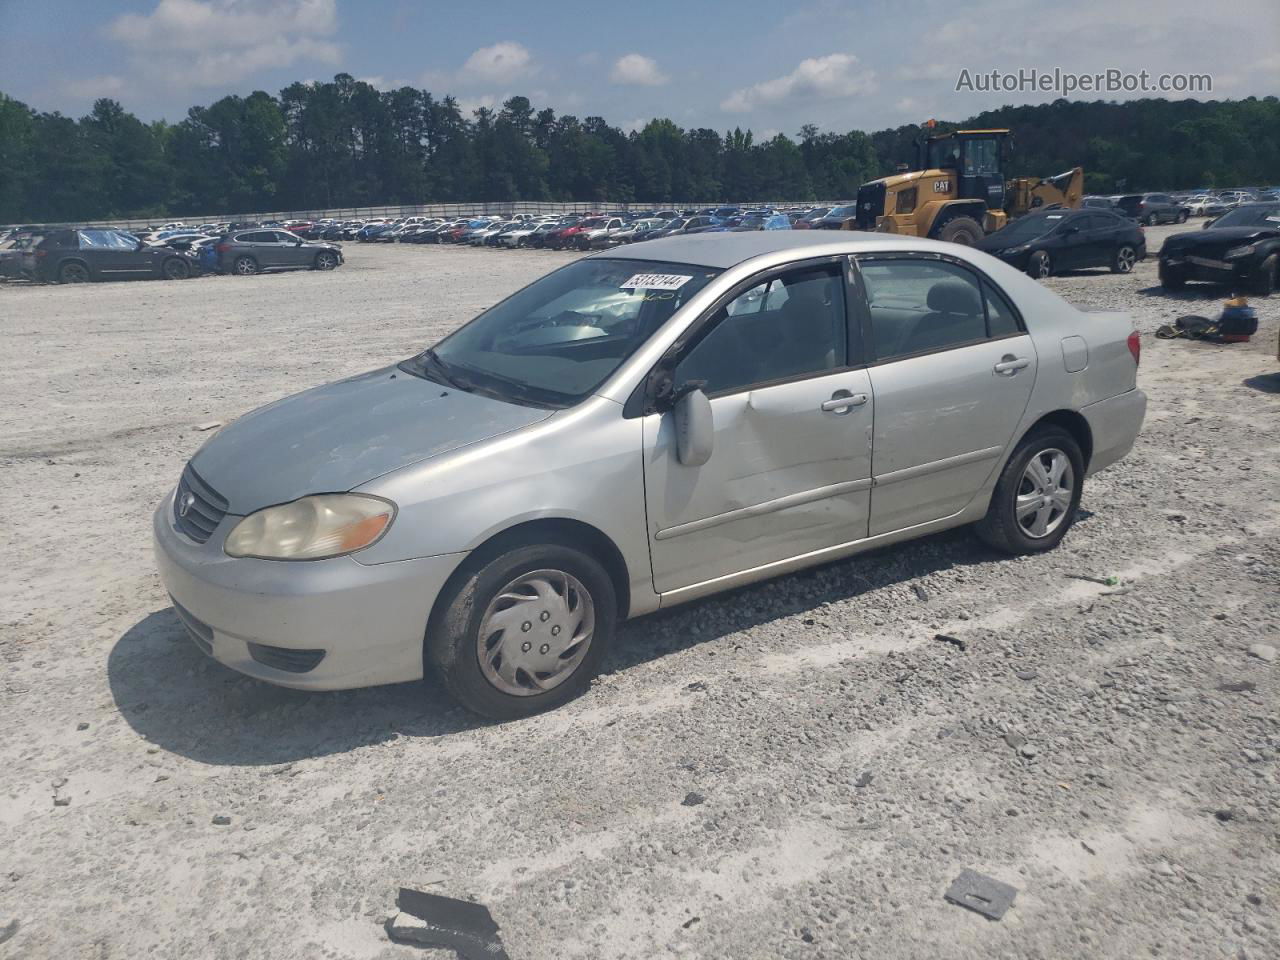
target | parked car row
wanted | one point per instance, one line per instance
(83, 254)
(1153, 208)
(590, 231)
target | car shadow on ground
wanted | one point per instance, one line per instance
(1265, 382)
(182, 701)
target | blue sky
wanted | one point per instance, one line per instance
(759, 63)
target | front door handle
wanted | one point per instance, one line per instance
(1010, 365)
(842, 401)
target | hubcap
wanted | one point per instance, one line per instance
(75, 273)
(1044, 495)
(244, 266)
(1042, 266)
(535, 632)
(1125, 259)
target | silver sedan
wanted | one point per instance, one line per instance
(640, 428)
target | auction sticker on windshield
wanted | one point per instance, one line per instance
(656, 281)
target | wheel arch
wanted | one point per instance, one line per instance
(562, 531)
(1072, 422)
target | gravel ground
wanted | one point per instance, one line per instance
(798, 769)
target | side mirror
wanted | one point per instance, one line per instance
(695, 425)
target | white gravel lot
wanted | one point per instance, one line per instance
(794, 770)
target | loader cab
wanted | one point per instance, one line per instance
(976, 158)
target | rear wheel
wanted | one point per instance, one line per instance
(245, 266)
(73, 273)
(1264, 284)
(962, 230)
(1040, 265)
(1035, 500)
(175, 269)
(523, 632)
(1149, 220)
(1182, 216)
(1124, 259)
(325, 260)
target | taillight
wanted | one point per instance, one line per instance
(222, 247)
(1135, 347)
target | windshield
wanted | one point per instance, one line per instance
(1251, 216)
(1028, 228)
(559, 338)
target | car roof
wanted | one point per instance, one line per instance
(723, 250)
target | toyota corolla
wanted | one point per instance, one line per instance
(640, 428)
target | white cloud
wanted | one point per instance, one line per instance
(635, 69)
(203, 42)
(817, 78)
(499, 63)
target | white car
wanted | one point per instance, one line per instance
(519, 237)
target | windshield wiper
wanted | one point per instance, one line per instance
(438, 369)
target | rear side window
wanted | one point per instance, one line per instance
(921, 306)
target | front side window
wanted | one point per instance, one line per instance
(918, 306)
(791, 326)
(981, 158)
(559, 338)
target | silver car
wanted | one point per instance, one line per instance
(640, 428)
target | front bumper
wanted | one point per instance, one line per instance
(368, 619)
(1211, 269)
(1115, 424)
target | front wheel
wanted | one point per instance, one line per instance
(1124, 259)
(74, 273)
(245, 266)
(326, 260)
(523, 632)
(1040, 265)
(1172, 278)
(962, 230)
(1182, 216)
(1035, 500)
(1264, 283)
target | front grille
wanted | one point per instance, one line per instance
(870, 205)
(201, 633)
(204, 507)
(286, 658)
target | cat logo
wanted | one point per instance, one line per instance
(942, 186)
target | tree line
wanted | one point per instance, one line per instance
(345, 143)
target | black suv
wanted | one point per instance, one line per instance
(1152, 208)
(78, 256)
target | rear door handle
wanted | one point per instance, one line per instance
(1009, 364)
(842, 401)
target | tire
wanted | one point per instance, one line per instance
(1171, 278)
(1039, 265)
(1182, 216)
(962, 230)
(325, 260)
(1041, 527)
(1264, 283)
(74, 272)
(175, 269)
(1149, 220)
(1123, 260)
(244, 266)
(550, 579)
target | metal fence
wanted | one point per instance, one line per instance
(448, 211)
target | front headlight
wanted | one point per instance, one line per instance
(1242, 251)
(328, 525)
(1015, 251)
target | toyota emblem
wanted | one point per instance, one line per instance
(184, 505)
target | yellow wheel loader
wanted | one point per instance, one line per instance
(957, 191)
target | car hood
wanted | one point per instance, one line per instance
(332, 438)
(1218, 236)
(994, 243)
